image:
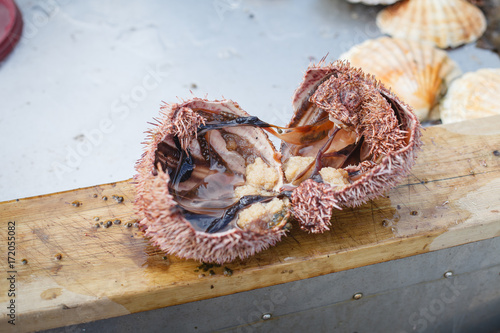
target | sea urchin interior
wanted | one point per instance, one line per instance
(212, 187)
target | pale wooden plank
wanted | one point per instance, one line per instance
(451, 198)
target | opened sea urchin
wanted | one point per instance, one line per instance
(212, 187)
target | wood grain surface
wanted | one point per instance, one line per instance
(69, 271)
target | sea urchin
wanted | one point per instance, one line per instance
(212, 187)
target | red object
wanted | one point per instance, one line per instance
(11, 26)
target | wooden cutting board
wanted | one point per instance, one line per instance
(68, 271)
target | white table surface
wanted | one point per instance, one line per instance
(77, 92)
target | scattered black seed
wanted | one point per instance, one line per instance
(496, 152)
(212, 286)
(398, 206)
(196, 270)
(414, 212)
(205, 266)
(17, 200)
(385, 223)
(95, 196)
(228, 271)
(194, 86)
(117, 222)
(211, 272)
(24, 261)
(58, 256)
(118, 199)
(128, 225)
(76, 203)
(165, 258)
(108, 224)
(97, 225)
(104, 198)
(96, 218)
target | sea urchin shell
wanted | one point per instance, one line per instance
(187, 183)
(370, 146)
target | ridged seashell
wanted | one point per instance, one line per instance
(474, 95)
(186, 184)
(211, 187)
(370, 148)
(418, 72)
(374, 2)
(446, 23)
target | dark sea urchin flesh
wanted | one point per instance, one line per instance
(212, 187)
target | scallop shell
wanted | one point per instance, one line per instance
(474, 95)
(445, 23)
(417, 72)
(374, 2)
(164, 217)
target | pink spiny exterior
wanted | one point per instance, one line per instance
(313, 204)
